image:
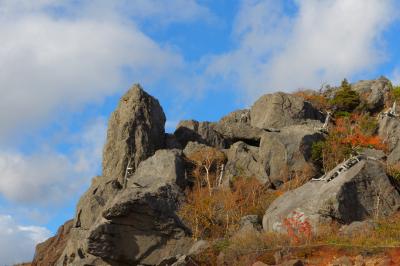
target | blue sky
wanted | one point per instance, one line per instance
(64, 65)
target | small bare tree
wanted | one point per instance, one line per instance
(208, 160)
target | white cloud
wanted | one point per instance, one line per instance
(88, 155)
(17, 242)
(60, 54)
(395, 76)
(49, 178)
(324, 41)
(45, 64)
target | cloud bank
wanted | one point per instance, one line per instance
(321, 41)
(17, 242)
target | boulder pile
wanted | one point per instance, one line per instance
(129, 214)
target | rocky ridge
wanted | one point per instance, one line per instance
(128, 216)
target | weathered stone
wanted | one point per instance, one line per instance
(252, 221)
(201, 132)
(171, 142)
(369, 152)
(48, 252)
(140, 225)
(361, 192)
(236, 127)
(357, 228)
(91, 204)
(192, 147)
(198, 247)
(389, 131)
(243, 161)
(289, 151)
(280, 109)
(373, 93)
(88, 211)
(135, 132)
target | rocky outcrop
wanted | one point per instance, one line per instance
(389, 131)
(193, 147)
(201, 132)
(136, 224)
(243, 160)
(345, 195)
(289, 151)
(140, 226)
(91, 203)
(236, 127)
(280, 109)
(48, 252)
(135, 132)
(128, 216)
(373, 93)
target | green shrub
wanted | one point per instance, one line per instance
(345, 98)
(368, 124)
(396, 93)
(342, 114)
(316, 151)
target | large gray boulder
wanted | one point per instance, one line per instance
(236, 126)
(389, 131)
(373, 93)
(135, 132)
(281, 109)
(201, 132)
(140, 225)
(243, 161)
(92, 202)
(356, 190)
(289, 151)
(88, 211)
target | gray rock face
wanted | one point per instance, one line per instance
(201, 132)
(288, 151)
(91, 203)
(140, 226)
(357, 228)
(243, 161)
(135, 132)
(252, 221)
(88, 211)
(171, 142)
(192, 147)
(280, 109)
(373, 93)
(112, 219)
(389, 131)
(361, 192)
(236, 126)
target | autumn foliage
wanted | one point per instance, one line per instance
(298, 228)
(317, 100)
(207, 166)
(218, 215)
(346, 137)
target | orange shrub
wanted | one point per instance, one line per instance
(206, 162)
(317, 100)
(347, 136)
(217, 215)
(298, 228)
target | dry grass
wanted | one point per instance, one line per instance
(317, 100)
(386, 234)
(217, 215)
(247, 248)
